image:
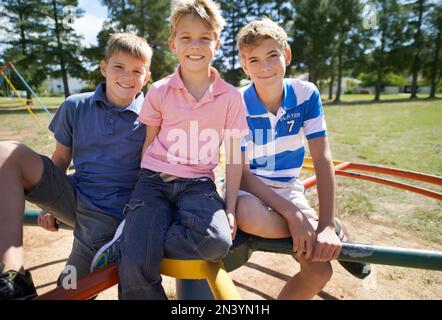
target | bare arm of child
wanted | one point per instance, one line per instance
(151, 133)
(61, 157)
(302, 232)
(328, 245)
(233, 180)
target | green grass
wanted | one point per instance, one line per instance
(12, 103)
(404, 135)
(356, 97)
(400, 135)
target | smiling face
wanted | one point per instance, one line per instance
(266, 63)
(195, 44)
(125, 76)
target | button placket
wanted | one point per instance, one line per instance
(110, 120)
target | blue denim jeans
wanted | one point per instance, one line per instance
(181, 219)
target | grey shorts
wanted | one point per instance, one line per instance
(55, 193)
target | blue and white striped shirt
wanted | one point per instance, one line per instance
(275, 143)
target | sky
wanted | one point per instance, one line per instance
(91, 22)
(88, 25)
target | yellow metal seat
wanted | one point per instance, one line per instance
(220, 283)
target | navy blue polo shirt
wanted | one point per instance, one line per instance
(106, 143)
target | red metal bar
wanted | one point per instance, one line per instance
(310, 182)
(87, 287)
(422, 191)
(390, 171)
(398, 173)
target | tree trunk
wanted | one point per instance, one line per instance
(24, 49)
(416, 62)
(142, 13)
(28, 97)
(435, 68)
(233, 53)
(61, 60)
(378, 88)
(123, 14)
(338, 90)
(330, 88)
(380, 73)
(311, 72)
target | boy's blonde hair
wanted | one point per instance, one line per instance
(251, 35)
(206, 10)
(131, 44)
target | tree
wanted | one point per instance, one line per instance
(389, 79)
(63, 43)
(119, 13)
(228, 63)
(94, 54)
(313, 35)
(350, 36)
(24, 23)
(419, 7)
(392, 32)
(148, 19)
(433, 68)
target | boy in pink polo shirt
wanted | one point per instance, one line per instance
(175, 210)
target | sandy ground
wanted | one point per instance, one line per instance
(265, 273)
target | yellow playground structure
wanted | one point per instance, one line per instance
(6, 73)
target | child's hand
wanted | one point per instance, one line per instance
(232, 223)
(303, 234)
(47, 221)
(328, 245)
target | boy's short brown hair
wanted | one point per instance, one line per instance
(206, 10)
(131, 44)
(251, 35)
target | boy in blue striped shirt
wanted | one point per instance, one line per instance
(271, 204)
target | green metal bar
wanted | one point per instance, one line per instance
(385, 255)
(30, 219)
(400, 257)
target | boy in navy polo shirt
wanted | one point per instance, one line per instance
(271, 204)
(100, 132)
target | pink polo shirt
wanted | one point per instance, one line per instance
(191, 133)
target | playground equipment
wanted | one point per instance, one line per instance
(342, 167)
(222, 287)
(89, 286)
(6, 72)
(189, 273)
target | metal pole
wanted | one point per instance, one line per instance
(399, 257)
(30, 89)
(386, 255)
(30, 219)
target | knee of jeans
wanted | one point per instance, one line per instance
(217, 245)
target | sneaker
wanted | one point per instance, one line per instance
(16, 285)
(108, 253)
(358, 269)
